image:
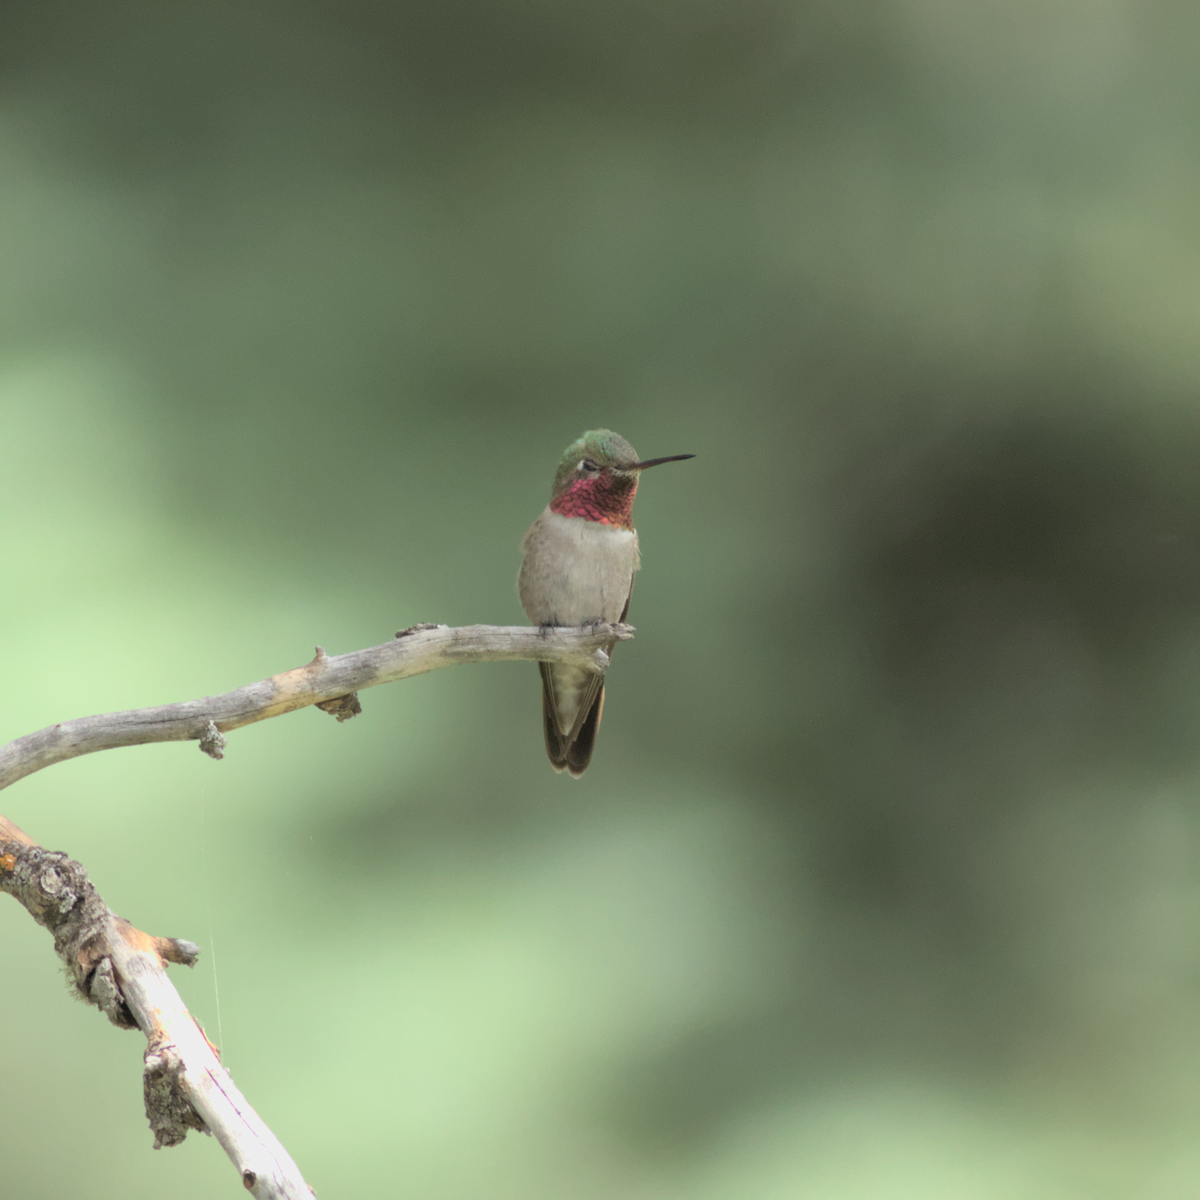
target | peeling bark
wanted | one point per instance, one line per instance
(122, 971)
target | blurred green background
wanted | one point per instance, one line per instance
(885, 880)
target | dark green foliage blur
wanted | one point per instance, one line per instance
(885, 879)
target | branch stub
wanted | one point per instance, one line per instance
(213, 741)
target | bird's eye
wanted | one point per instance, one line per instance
(587, 465)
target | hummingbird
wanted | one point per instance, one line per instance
(580, 558)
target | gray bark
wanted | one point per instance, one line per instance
(122, 970)
(330, 681)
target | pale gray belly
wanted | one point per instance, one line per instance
(576, 570)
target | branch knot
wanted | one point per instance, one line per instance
(168, 1109)
(213, 741)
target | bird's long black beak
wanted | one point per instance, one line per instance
(654, 462)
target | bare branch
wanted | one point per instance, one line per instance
(122, 971)
(328, 678)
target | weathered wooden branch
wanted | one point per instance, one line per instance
(328, 681)
(122, 971)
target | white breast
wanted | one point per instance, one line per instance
(576, 570)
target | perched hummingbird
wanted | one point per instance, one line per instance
(580, 556)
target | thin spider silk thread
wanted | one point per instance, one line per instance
(212, 942)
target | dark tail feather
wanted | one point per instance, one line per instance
(556, 744)
(567, 753)
(579, 752)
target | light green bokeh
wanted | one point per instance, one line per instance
(885, 881)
